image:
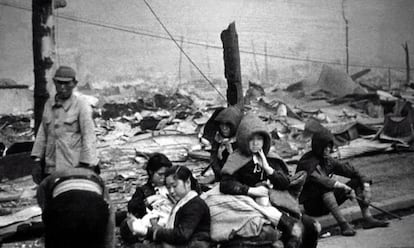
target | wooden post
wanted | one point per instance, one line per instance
(255, 63)
(389, 78)
(43, 45)
(266, 63)
(180, 60)
(232, 70)
(208, 61)
(407, 63)
(346, 36)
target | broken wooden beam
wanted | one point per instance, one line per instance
(232, 70)
(359, 74)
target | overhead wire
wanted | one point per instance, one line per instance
(182, 50)
(145, 33)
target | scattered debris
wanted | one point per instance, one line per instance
(128, 133)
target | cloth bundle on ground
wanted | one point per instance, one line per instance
(237, 215)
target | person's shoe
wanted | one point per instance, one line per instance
(373, 223)
(346, 229)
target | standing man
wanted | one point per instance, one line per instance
(66, 136)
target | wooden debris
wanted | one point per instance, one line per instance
(20, 216)
(361, 146)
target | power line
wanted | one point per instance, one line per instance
(182, 50)
(134, 31)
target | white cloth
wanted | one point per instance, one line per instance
(161, 209)
(162, 190)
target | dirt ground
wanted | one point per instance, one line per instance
(392, 173)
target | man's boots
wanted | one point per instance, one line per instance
(369, 221)
(330, 202)
(373, 223)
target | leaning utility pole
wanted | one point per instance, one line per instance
(43, 51)
(407, 63)
(232, 70)
(346, 36)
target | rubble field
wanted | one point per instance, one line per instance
(373, 129)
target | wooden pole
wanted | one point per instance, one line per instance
(180, 60)
(208, 61)
(266, 63)
(346, 36)
(407, 63)
(389, 78)
(43, 45)
(232, 69)
(255, 62)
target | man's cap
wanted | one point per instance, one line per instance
(65, 74)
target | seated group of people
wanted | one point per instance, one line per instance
(245, 168)
(254, 204)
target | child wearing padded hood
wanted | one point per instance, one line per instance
(322, 194)
(224, 142)
(250, 171)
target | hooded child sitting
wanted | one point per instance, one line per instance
(248, 171)
(224, 142)
(322, 194)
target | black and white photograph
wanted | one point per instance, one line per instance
(206, 123)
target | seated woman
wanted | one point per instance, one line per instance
(151, 198)
(189, 222)
(249, 172)
(224, 142)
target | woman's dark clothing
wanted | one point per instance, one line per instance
(320, 170)
(247, 176)
(240, 172)
(219, 153)
(191, 226)
(216, 162)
